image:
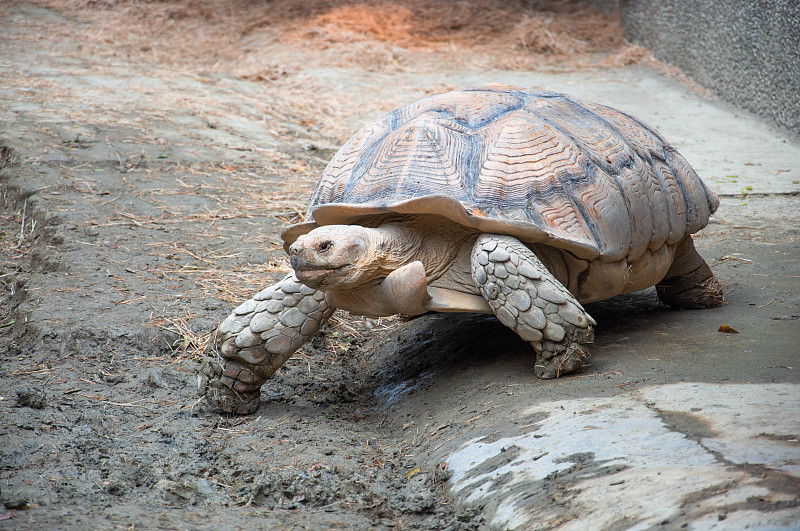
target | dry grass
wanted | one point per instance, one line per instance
(207, 32)
(212, 252)
(426, 24)
(190, 344)
(15, 244)
(564, 35)
(239, 193)
(270, 42)
(417, 34)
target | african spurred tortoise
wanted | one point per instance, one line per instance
(495, 200)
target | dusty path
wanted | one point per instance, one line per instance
(143, 196)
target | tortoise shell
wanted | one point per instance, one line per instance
(540, 166)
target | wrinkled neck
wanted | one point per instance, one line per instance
(432, 240)
(397, 244)
(391, 246)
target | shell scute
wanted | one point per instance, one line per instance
(527, 173)
(418, 158)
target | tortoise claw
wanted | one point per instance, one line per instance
(557, 365)
(211, 383)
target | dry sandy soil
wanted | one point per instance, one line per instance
(150, 154)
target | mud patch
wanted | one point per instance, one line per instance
(694, 426)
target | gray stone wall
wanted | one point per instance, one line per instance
(748, 52)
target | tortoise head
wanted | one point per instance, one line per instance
(335, 257)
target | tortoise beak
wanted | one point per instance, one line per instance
(307, 265)
(300, 260)
(296, 263)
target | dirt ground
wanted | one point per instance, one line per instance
(150, 153)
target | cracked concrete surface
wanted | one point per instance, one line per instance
(663, 455)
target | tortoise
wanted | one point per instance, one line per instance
(496, 200)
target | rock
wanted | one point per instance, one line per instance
(33, 398)
(154, 379)
(16, 502)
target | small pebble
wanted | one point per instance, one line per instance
(154, 379)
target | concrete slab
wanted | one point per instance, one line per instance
(657, 456)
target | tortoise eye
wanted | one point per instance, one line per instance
(325, 246)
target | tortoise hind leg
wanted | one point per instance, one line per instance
(526, 297)
(689, 283)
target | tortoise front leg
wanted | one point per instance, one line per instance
(256, 339)
(526, 297)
